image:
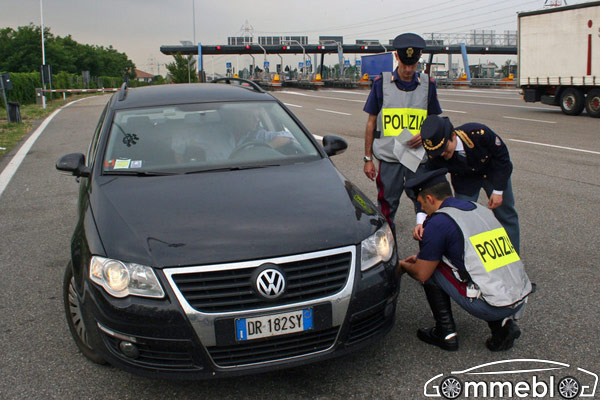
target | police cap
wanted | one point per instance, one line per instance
(426, 180)
(435, 133)
(409, 47)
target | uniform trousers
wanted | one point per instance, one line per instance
(390, 185)
(506, 213)
(476, 307)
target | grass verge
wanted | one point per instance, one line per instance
(11, 134)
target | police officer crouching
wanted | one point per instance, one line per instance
(465, 255)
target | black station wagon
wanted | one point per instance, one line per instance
(215, 237)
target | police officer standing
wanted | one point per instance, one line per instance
(465, 255)
(405, 97)
(476, 158)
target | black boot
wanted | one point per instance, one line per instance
(504, 333)
(443, 334)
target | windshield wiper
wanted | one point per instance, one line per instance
(232, 168)
(140, 173)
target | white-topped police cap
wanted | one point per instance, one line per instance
(409, 47)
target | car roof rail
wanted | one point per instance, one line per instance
(241, 82)
(123, 91)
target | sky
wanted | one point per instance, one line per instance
(139, 27)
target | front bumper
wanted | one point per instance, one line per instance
(172, 338)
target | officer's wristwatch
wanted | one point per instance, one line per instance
(366, 159)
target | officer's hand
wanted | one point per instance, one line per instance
(370, 170)
(495, 201)
(410, 260)
(415, 141)
(418, 232)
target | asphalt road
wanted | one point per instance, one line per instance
(556, 181)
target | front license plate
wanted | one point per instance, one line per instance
(273, 325)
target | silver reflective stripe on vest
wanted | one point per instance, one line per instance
(490, 259)
(383, 147)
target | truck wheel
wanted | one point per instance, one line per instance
(592, 103)
(75, 319)
(572, 101)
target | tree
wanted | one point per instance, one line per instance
(182, 69)
(21, 51)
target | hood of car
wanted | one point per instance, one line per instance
(227, 216)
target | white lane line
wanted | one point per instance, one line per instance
(321, 97)
(10, 170)
(556, 147)
(532, 120)
(348, 92)
(454, 111)
(334, 112)
(495, 104)
(292, 105)
(318, 137)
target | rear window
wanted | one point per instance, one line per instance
(197, 137)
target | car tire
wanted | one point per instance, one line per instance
(568, 387)
(592, 103)
(572, 101)
(75, 319)
(451, 387)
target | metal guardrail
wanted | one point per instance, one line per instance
(475, 82)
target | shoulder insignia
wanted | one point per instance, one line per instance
(465, 138)
(498, 141)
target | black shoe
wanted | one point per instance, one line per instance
(503, 339)
(447, 341)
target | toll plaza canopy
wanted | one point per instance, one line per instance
(325, 49)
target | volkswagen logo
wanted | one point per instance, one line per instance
(269, 282)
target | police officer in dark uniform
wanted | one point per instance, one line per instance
(476, 158)
(405, 97)
(465, 255)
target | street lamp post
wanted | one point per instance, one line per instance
(43, 54)
(303, 52)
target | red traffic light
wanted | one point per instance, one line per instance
(319, 47)
(284, 48)
(218, 47)
(247, 47)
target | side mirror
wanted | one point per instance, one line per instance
(73, 163)
(334, 145)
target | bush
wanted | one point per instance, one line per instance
(25, 83)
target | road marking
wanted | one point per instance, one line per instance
(318, 137)
(321, 97)
(495, 104)
(334, 112)
(292, 105)
(10, 170)
(557, 147)
(348, 92)
(454, 111)
(532, 120)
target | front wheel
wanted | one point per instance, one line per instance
(75, 319)
(592, 103)
(572, 101)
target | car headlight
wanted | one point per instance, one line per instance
(121, 279)
(376, 248)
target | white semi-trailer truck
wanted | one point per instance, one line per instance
(559, 57)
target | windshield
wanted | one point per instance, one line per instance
(202, 137)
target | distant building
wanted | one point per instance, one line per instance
(142, 76)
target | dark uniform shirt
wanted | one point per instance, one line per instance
(486, 158)
(442, 237)
(375, 99)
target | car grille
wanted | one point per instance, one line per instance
(231, 289)
(162, 354)
(274, 348)
(366, 326)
